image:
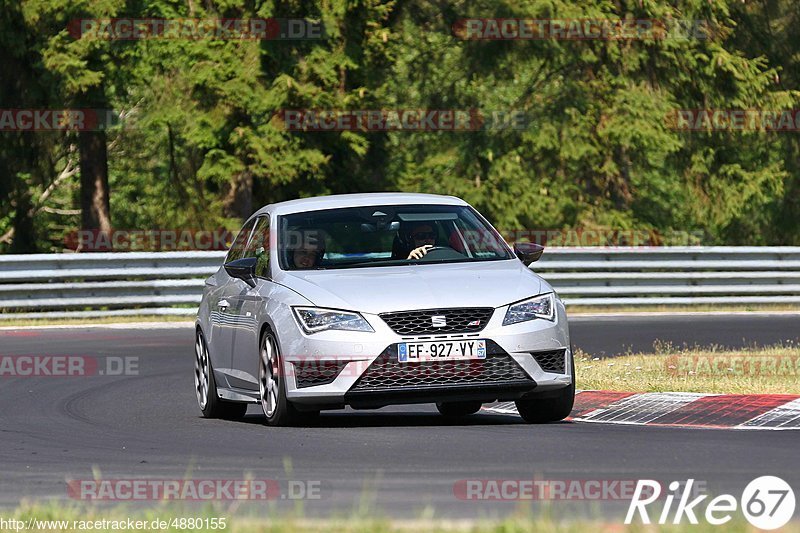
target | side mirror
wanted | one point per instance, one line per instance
(244, 269)
(528, 252)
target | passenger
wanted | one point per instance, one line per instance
(309, 252)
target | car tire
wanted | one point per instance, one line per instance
(205, 386)
(458, 409)
(278, 410)
(550, 406)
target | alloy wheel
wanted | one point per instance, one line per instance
(201, 371)
(269, 376)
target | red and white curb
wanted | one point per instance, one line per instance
(681, 409)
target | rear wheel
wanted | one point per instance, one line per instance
(550, 406)
(272, 387)
(458, 409)
(205, 386)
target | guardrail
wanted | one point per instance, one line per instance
(673, 276)
(171, 283)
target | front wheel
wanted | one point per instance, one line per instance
(272, 387)
(205, 386)
(550, 407)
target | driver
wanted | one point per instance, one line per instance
(422, 237)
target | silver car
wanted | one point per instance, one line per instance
(368, 300)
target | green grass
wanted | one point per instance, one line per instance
(91, 321)
(765, 370)
(571, 310)
(522, 521)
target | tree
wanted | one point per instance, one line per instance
(202, 144)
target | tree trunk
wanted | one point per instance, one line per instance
(24, 235)
(95, 208)
(239, 200)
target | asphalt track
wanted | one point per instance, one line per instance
(396, 461)
(611, 335)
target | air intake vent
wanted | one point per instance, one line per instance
(553, 361)
(311, 373)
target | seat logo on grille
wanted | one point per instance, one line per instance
(438, 321)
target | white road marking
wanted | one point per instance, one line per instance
(642, 409)
(786, 416)
(116, 325)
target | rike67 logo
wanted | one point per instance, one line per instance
(767, 502)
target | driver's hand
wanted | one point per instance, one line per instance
(419, 253)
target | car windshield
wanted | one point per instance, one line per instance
(386, 235)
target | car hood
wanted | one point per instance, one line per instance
(401, 288)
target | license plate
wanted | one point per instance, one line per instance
(418, 352)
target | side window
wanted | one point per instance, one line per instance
(258, 247)
(238, 246)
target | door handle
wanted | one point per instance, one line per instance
(223, 304)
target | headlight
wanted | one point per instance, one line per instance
(316, 319)
(538, 307)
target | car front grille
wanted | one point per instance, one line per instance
(311, 373)
(456, 320)
(387, 374)
(552, 361)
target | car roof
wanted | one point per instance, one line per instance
(318, 203)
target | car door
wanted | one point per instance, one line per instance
(250, 303)
(223, 313)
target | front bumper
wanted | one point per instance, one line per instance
(337, 368)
